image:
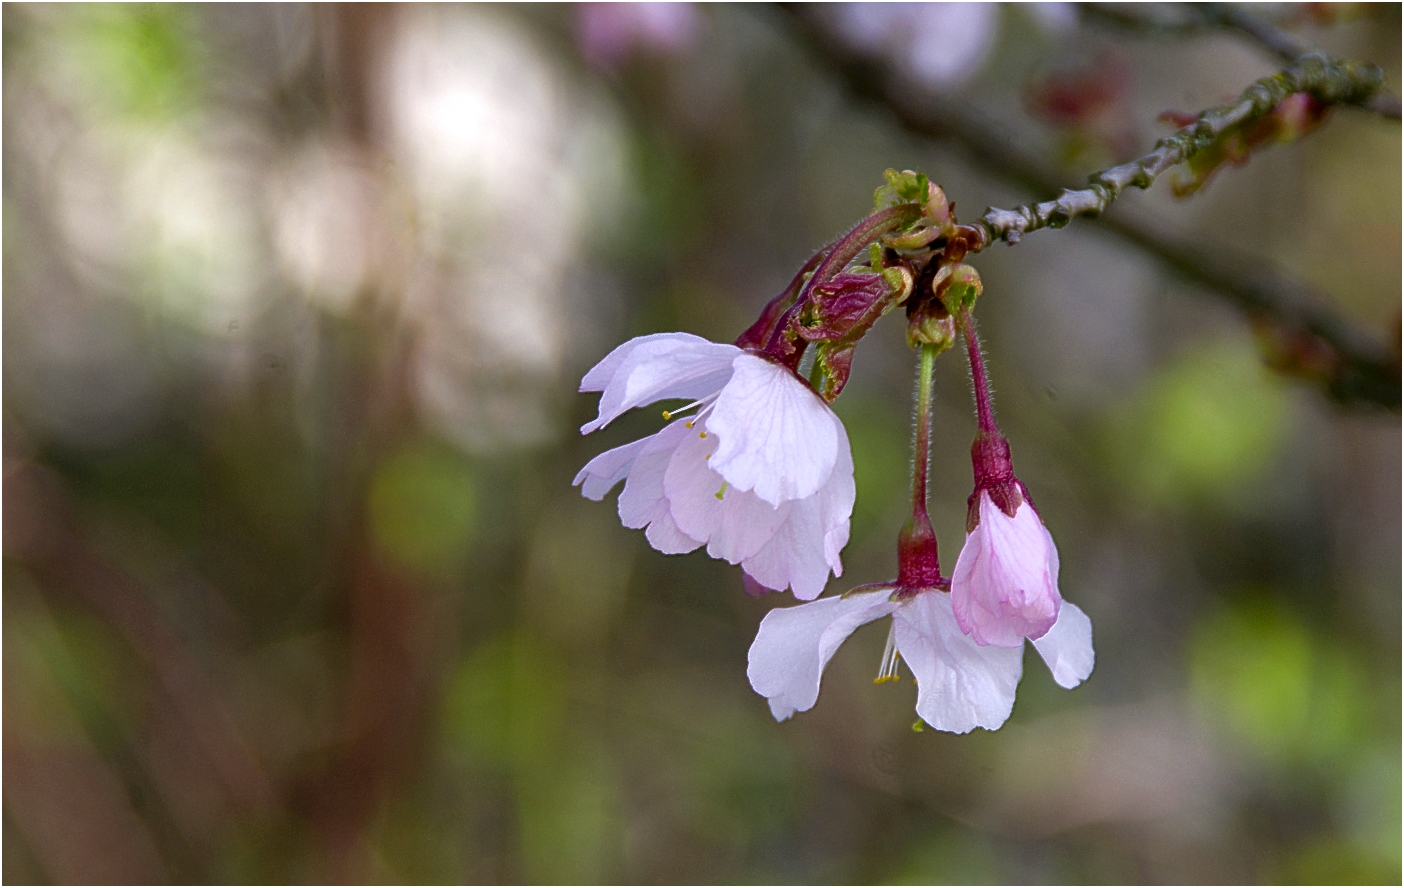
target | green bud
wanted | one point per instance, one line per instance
(936, 221)
(958, 286)
(940, 332)
(938, 209)
(913, 240)
(899, 279)
(928, 323)
(903, 187)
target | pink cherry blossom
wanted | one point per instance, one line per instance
(1005, 585)
(761, 474)
(961, 685)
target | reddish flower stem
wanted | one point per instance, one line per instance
(918, 563)
(984, 408)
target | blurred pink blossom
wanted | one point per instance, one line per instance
(610, 32)
(941, 45)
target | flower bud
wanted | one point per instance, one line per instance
(930, 324)
(903, 187)
(958, 286)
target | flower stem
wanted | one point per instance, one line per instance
(983, 406)
(918, 564)
(921, 445)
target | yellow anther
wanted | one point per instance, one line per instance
(701, 434)
(667, 415)
(916, 726)
(689, 423)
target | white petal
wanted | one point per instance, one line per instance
(643, 502)
(778, 437)
(663, 534)
(608, 469)
(836, 502)
(960, 685)
(795, 556)
(654, 368)
(1067, 647)
(1005, 584)
(794, 645)
(735, 524)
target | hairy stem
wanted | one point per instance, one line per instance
(984, 408)
(921, 441)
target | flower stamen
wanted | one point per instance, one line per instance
(704, 403)
(891, 659)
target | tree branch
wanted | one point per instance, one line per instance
(1332, 82)
(1189, 19)
(1358, 368)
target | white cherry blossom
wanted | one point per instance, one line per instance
(761, 474)
(961, 685)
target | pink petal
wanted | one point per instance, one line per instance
(1005, 585)
(795, 555)
(794, 645)
(734, 523)
(654, 368)
(836, 503)
(644, 503)
(1067, 647)
(778, 437)
(803, 550)
(608, 469)
(663, 535)
(960, 684)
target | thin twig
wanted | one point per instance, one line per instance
(1332, 82)
(1183, 19)
(1365, 369)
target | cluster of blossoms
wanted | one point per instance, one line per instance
(757, 468)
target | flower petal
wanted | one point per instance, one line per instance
(656, 367)
(960, 685)
(734, 523)
(778, 437)
(644, 503)
(836, 503)
(1067, 647)
(1005, 585)
(664, 535)
(608, 469)
(794, 645)
(795, 555)
(804, 550)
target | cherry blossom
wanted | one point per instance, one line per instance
(961, 685)
(1005, 585)
(760, 473)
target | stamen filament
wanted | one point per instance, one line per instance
(891, 659)
(704, 403)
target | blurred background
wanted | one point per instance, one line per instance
(296, 587)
